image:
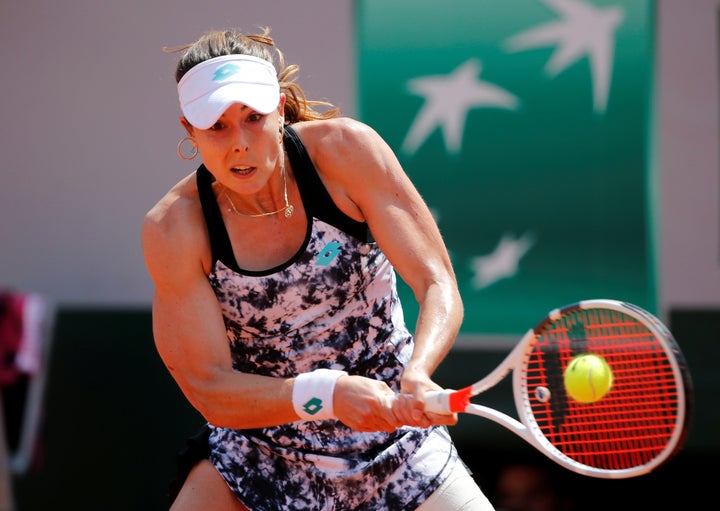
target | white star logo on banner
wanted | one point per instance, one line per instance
(583, 29)
(448, 98)
(501, 263)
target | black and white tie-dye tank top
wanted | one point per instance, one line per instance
(334, 305)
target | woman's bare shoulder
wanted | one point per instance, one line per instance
(334, 134)
(342, 144)
(343, 149)
(174, 225)
(178, 202)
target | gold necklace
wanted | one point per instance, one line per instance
(289, 209)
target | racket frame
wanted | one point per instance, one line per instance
(526, 427)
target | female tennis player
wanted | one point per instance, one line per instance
(276, 309)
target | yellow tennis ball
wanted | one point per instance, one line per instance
(588, 378)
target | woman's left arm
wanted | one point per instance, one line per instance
(367, 181)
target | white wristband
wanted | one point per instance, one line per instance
(312, 394)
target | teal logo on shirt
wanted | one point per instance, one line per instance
(328, 253)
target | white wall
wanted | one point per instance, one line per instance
(89, 128)
(689, 117)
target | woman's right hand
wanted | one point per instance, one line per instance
(364, 404)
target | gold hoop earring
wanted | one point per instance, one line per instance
(192, 154)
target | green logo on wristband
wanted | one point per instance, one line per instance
(313, 406)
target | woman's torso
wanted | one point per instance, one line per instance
(332, 304)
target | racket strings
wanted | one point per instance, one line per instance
(635, 421)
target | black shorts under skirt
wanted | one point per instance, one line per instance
(196, 450)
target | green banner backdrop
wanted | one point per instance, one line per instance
(526, 125)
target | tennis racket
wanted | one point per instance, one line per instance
(636, 426)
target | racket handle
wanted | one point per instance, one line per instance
(447, 401)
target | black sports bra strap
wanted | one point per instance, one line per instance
(316, 199)
(220, 244)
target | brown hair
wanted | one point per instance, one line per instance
(229, 42)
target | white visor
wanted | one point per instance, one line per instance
(209, 88)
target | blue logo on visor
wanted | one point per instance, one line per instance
(225, 72)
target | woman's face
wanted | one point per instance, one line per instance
(243, 148)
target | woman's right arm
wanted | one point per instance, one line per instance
(190, 337)
(188, 328)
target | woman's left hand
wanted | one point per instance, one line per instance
(409, 405)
